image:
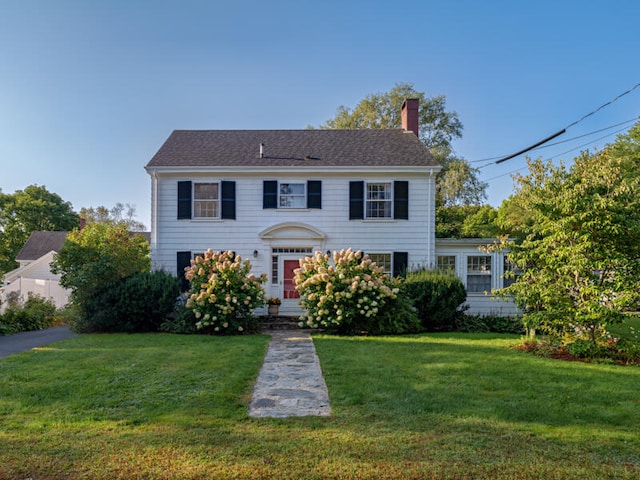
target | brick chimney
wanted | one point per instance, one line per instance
(409, 115)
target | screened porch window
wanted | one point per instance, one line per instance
(446, 264)
(478, 273)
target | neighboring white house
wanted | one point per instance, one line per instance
(275, 196)
(34, 273)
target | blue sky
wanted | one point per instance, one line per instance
(90, 89)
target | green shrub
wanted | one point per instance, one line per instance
(586, 349)
(437, 298)
(224, 293)
(181, 320)
(36, 313)
(489, 323)
(139, 303)
(398, 316)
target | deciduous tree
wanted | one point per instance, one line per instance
(28, 210)
(580, 257)
(119, 213)
(458, 182)
(99, 255)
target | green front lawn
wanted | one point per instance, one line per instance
(441, 406)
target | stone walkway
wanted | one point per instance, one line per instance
(290, 383)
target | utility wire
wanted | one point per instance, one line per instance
(555, 156)
(575, 138)
(490, 159)
(560, 132)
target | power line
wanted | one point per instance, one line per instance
(490, 159)
(560, 132)
(603, 105)
(559, 154)
(576, 138)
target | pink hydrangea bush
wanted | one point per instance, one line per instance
(348, 295)
(224, 293)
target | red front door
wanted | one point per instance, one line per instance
(290, 291)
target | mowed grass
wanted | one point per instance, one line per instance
(443, 406)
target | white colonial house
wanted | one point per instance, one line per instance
(34, 273)
(274, 196)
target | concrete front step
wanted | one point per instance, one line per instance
(279, 322)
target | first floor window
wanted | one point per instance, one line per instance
(511, 271)
(446, 264)
(379, 200)
(478, 273)
(206, 200)
(292, 195)
(382, 260)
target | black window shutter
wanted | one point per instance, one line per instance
(184, 200)
(400, 261)
(229, 200)
(356, 200)
(269, 194)
(401, 200)
(183, 260)
(314, 194)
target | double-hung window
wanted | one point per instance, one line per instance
(478, 273)
(379, 200)
(446, 264)
(292, 195)
(511, 272)
(284, 195)
(382, 260)
(394, 264)
(206, 200)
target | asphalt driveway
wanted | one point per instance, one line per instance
(21, 342)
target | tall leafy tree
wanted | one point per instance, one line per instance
(457, 183)
(28, 210)
(97, 256)
(119, 213)
(579, 251)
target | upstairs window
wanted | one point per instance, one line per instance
(284, 195)
(379, 200)
(206, 200)
(292, 195)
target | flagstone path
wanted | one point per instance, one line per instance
(290, 383)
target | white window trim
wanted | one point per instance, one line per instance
(218, 201)
(390, 200)
(303, 195)
(390, 263)
(475, 273)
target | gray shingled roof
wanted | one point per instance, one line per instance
(284, 148)
(40, 243)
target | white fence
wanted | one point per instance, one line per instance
(50, 289)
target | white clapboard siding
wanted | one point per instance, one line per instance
(242, 235)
